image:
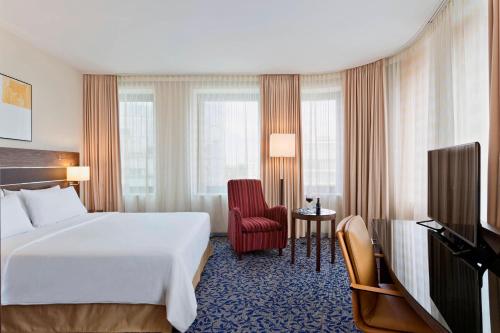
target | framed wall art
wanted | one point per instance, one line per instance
(15, 109)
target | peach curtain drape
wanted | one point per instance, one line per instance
(280, 104)
(101, 147)
(365, 155)
(494, 139)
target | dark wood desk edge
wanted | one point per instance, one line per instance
(426, 316)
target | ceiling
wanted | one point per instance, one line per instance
(216, 36)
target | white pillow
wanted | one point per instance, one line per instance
(9, 192)
(13, 218)
(50, 207)
(21, 198)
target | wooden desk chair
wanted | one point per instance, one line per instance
(376, 307)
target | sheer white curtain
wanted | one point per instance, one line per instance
(183, 137)
(437, 96)
(228, 129)
(322, 139)
(137, 141)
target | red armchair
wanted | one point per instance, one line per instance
(252, 224)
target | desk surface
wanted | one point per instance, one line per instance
(449, 290)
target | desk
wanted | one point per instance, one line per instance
(429, 278)
(310, 215)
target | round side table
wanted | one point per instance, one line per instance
(310, 215)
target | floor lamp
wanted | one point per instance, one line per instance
(282, 146)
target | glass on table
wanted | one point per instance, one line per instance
(309, 199)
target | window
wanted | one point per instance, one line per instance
(137, 141)
(228, 138)
(322, 140)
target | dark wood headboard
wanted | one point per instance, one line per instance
(34, 169)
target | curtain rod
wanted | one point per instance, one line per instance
(422, 29)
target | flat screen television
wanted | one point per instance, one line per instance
(453, 190)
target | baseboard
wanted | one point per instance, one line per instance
(218, 234)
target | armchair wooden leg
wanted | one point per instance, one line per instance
(240, 256)
(280, 251)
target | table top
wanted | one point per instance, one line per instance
(310, 214)
(452, 289)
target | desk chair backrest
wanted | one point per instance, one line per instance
(357, 251)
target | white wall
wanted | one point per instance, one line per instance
(57, 95)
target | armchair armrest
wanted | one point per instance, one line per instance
(235, 215)
(234, 224)
(377, 290)
(278, 213)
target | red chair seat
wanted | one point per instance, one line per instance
(259, 224)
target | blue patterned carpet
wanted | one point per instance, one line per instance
(264, 293)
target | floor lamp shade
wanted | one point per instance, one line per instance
(282, 145)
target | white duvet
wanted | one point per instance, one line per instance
(146, 258)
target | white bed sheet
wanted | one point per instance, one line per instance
(135, 258)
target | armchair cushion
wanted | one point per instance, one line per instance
(259, 224)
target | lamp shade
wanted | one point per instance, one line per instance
(282, 145)
(78, 173)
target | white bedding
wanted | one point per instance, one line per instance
(146, 258)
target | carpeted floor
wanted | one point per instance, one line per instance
(264, 293)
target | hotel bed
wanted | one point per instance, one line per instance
(104, 272)
(120, 258)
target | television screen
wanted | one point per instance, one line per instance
(453, 189)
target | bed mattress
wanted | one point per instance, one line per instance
(132, 258)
